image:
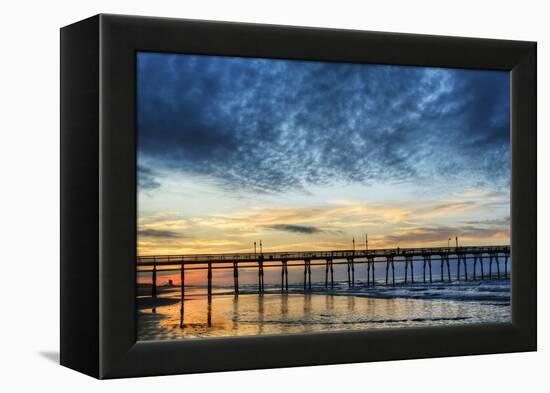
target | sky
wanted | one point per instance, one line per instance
(309, 155)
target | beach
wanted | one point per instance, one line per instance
(341, 308)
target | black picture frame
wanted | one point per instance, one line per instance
(98, 196)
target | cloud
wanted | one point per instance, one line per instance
(159, 233)
(492, 222)
(331, 218)
(173, 246)
(146, 179)
(295, 228)
(277, 125)
(162, 221)
(439, 234)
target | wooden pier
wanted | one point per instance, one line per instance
(491, 256)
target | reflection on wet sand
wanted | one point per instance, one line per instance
(244, 315)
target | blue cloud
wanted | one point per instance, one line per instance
(272, 125)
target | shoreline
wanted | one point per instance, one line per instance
(497, 291)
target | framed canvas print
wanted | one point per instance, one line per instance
(240, 196)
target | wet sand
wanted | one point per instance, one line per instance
(275, 313)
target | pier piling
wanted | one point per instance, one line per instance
(286, 277)
(261, 275)
(331, 275)
(154, 287)
(505, 266)
(430, 267)
(182, 285)
(282, 276)
(387, 268)
(209, 277)
(371, 264)
(481, 266)
(406, 267)
(349, 273)
(326, 273)
(236, 277)
(412, 270)
(409, 261)
(370, 268)
(427, 262)
(445, 262)
(305, 274)
(309, 274)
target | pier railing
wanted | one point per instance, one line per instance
(149, 260)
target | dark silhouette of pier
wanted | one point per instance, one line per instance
(386, 258)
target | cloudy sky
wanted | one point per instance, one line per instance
(308, 155)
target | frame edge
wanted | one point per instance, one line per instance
(79, 126)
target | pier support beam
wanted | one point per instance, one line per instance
(236, 277)
(463, 258)
(475, 266)
(425, 258)
(409, 261)
(448, 268)
(387, 268)
(389, 262)
(406, 267)
(154, 287)
(490, 266)
(506, 256)
(351, 264)
(392, 272)
(445, 261)
(326, 272)
(261, 275)
(284, 276)
(498, 265)
(182, 284)
(370, 271)
(331, 274)
(209, 281)
(481, 266)
(412, 270)
(430, 267)
(427, 262)
(307, 274)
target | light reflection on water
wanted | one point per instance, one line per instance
(250, 314)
